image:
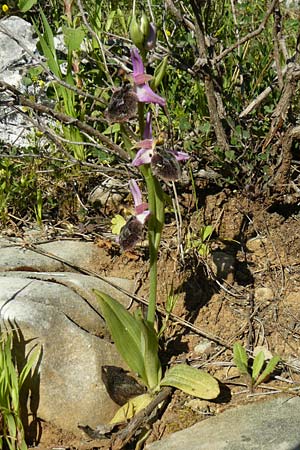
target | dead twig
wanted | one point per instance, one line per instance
(140, 419)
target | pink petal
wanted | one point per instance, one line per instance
(139, 209)
(136, 192)
(137, 62)
(181, 156)
(143, 156)
(143, 216)
(146, 95)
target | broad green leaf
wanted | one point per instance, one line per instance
(125, 331)
(268, 370)
(149, 347)
(192, 381)
(240, 358)
(117, 223)
(73, 37)
(49, 54)
(131, 408)
(48, 35)
(26, 5)
(257, 364)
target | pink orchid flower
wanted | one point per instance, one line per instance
(132, 231)
(143, 91)
(147, 148)
(140, 208)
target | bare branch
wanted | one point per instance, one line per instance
(208, 80)
(67, 120)
(249, 36)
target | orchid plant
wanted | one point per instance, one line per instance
(136, 337)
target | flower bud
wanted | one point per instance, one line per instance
(159, 73)
(145, 25)
(151, 37)
(136, 33)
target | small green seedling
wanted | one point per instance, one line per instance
(259, 371)
(200, 243)
(169, 306)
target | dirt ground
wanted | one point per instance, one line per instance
(245, 289)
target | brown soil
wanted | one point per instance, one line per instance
(247, 290)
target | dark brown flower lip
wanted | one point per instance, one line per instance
(122, 105)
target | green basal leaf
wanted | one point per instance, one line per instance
(257, 365)
(149, 347)
(125, 331)
(240, 358)
(114, 128)
(11, 425)
(192, 381)
(131, 408)
(268, 370)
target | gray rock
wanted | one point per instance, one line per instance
(70, 389)
(58, 312)
(70, 293)
(268, 425)
(14, 63)
(224, 264)
(83, 254)
(12, 55)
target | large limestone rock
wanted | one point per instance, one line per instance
(59, 313)
(267, 425)
(17, 42)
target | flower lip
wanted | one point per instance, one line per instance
(122, 105)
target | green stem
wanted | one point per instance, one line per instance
(155, 224)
